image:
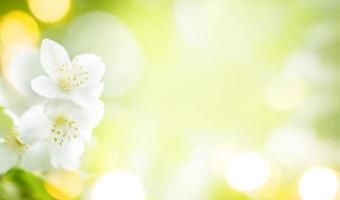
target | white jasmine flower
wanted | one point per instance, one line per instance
(53, 135)
(32, 157)
(78, 79)
(64, 129)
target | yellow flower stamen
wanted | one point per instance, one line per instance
(64, 84)
(63, 129)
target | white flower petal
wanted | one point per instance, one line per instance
(52, 55)
(45, 86)
(87, 100)
(33, 125)
(92, 64)
(84, 118)
(36, 158)
(86, 135)
(66, 156)
(88, 118)
(59, 106)
(9, 158)
(95, 90)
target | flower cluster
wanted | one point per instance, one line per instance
(52, 134)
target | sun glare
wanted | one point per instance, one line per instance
(118, 185)
(248, 172)
(318, 183)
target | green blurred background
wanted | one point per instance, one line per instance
(205, 99)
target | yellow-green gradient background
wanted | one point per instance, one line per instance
(190, 86)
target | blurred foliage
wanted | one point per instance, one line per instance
(17, 185)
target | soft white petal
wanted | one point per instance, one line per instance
(86, 100)
(86, 135)
(92, 64)
(95, 90)
(36, 158)
(45, 86)
(52, 55)
(59, 106)
(23, 68)
(66, 156)
(9, 158)
(88, 118)
(85, 118)
(33, 125)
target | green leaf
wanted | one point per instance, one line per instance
(20, 185)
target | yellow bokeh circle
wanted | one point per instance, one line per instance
(19, 29)
(63, 185)
(49, 11)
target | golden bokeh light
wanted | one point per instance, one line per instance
(19, 29)
(64, 185)
(49, 11)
